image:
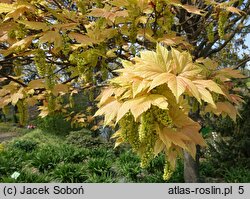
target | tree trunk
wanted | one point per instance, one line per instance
(191, 167)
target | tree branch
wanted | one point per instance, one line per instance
(14, 80)
(239, 27)
(242, 63)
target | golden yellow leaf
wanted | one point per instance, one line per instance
(118, 142)
(189, 8)
(163, 57)
(110, 110)
(173, 40)
(180, 119)
(19, 11)
(35, 84)
(141, 104)
(60, 88)
(81, 38)
(160, 79)
(52, 37)
(172, 154)
(111, 53)
(189, 86)
(44, 113)
(176, 86)
(192, 131)
(159, 146)
(210, 84)
(4, 7)
(22, 44)
(205, 95)
(106, 93)
(35, 25)
(116, 134)
(223, 108)
(139, 85)
(235, 10)
(110, 15)
(193, 9)
(191, 149)
(15, 97)
(64, 26)
(168, 135)
(226, 74)
(31, 101)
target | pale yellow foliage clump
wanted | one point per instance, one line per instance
(150, 102)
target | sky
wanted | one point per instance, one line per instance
(248, 44)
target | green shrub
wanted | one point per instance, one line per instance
(157, 164)
(83, 138)
(99, 166)
(55, 124)
(178, 175)
(69, 173)
(224, 153)
(25, 145)
(43, 138)
(11, 160)
(103, 178)
(130, 171)
(128, 166)
(237, 175)
(233, 149)
(46, 158)
(79, 155)
(207, 169)
(31, 177)
(102, 151)
(152, 177)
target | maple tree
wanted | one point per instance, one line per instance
(52, 50)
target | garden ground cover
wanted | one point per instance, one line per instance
(79, 157)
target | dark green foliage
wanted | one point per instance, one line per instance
(26, 145)
(228, 155)
(11, 160)
(103, 178)
(47, 157)
(68, 172)
(234, 149)
(55, 124)
(28, 177)
(102, 151)
(99, 166)
(83, 138)
(206, 168)
(128, 164)
(226, 173)
(237, 175)
(178, 175)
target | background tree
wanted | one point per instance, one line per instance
(53, 48)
